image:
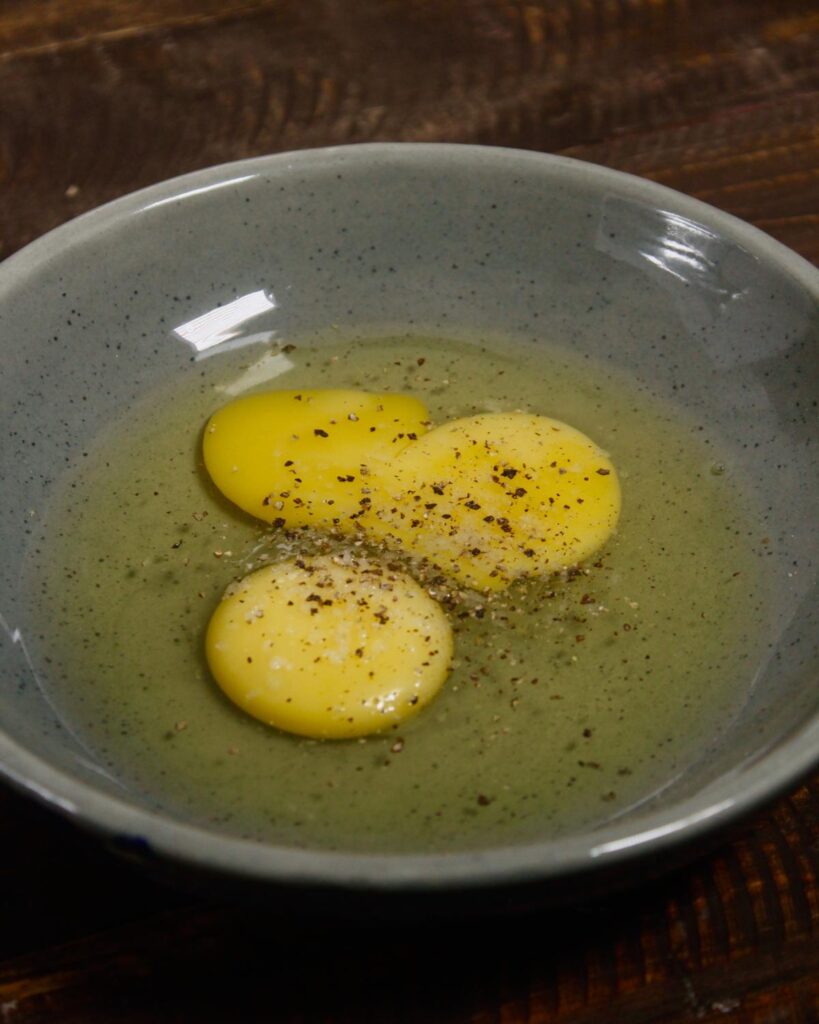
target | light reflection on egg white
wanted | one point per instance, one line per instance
(271, 365)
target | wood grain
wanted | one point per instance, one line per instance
(720, 100)
(51, 26)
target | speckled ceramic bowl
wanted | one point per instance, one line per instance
(711, 313)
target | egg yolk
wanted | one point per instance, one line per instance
(329, 647)
(301, 458)
(493, 497)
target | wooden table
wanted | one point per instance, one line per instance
(720, 100)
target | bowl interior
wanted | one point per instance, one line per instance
(694, 307)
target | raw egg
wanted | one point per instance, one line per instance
(329, 647)
(493, 497)
(302, 458)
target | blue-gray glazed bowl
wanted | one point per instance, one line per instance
(712, 313)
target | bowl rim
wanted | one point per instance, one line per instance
(718, 805)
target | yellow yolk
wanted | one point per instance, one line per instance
(301, 458)
(328, 647)
(493, 497)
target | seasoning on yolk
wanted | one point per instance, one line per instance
(329, 647)
(493, 497)
(301, 458)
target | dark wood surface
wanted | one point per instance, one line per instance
(718, 99)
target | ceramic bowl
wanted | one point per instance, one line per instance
(705, 310)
